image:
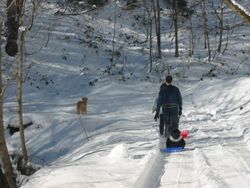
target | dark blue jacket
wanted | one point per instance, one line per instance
(169, 94)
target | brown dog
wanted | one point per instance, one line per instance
(82, 106)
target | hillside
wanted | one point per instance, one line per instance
(102, 53)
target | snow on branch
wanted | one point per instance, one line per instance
(238, 9)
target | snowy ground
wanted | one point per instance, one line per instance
(123, 146)
(117, 144)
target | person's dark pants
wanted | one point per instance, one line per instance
(161, 125)
(171, 120)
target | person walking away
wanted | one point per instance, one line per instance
(171, 102)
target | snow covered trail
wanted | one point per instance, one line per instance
(204, 164)
(219, 143)
(217, 152)
(211, 164)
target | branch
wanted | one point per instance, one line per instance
(75, 14)
(238, 9)
(32, 13)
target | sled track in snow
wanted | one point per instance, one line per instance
(179, 170)
(153, 171)
(221, 159)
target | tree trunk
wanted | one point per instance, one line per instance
(158, 29)
(114, 33)
(150, 42)
(191, 39)
(12, 28)
(20, 81)
(221, 21)
(20, 101)
(7, 166)
(204, 23)
(157, 26)
(146, 15)
(206, 34)
(176, 29)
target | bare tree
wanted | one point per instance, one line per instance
(21, 48)
(176, 12)
(220, 16)
(20, 92)
(157, 26)
(15, 22)
(114, 33)
(146, 14)
(6, 163)
(178, 8)
(150, 41)
(149, 19)
(191, 38)
(206, 32)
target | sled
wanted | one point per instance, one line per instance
(172, 150)
(175, 150)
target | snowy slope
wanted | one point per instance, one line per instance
(116, 144)
(123, 150)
